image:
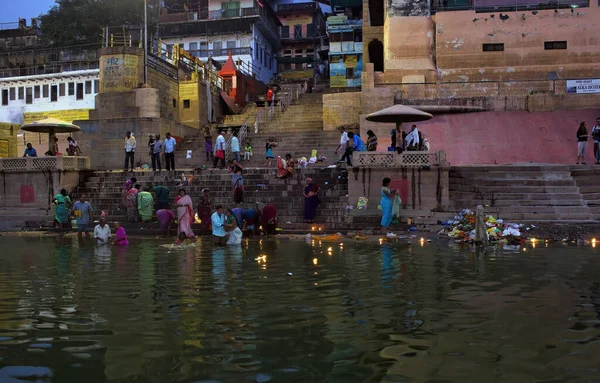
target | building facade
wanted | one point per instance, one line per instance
(304, 42)
(248, 29)
(345, 48)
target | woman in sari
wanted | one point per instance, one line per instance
(126, 187)
(387, 203)
(269, 220)
(63, 209)
(237, 182)
(120, 235)
(165, 217)
(131, 204)
(204, 211)
(311, 200)
(286, 168)
(146, 205)
(185, 214)
(233, 228)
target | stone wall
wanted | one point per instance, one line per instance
(8, 140)
(27, 197)
(103, 140)
(341, 109)
(420, 189)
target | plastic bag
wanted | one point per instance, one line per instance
(362, 203)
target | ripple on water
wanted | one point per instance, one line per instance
(364, 313)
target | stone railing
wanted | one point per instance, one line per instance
(407, 159)
(20, 164)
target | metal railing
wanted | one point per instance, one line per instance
(298, 7)
(283, 99)
(221, 52)
(241, 135)
(407, 159)
(31, 62)
(20, 164)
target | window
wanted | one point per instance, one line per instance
(287, 52)
(493, 47)
(218, 48)
(285, 32)
(555, 45)
(61, 89)
(36, 91)
(174, 103)
(29, 96)
(186, 104)
(298, 52)
(297, 31)
(71, 89)
(347, 36)
(230, 9)
(96, 86)
(203, 49)
(349, 72)
(88, 87)
(311, 30)
(79, 91)
(53, 93)
(45, 91)
(21, 93)
(335, 37)
(193, 49)
(4, 96)
(230, 44)
(12, 94)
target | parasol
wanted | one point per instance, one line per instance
(50, 126)
(399, 114)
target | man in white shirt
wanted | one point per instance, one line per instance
(218, 230)
(102, 232)
(235, 147)
(130, 145)
(220, 146)
(343, 141)
(170, 144)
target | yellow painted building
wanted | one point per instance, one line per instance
(8, 140)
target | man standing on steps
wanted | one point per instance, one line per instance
(220, 147)
(157, 149)
(235, 147)
(170, 144)
(130, 145)
(343, 142)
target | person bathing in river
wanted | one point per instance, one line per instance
(185, 213)
(120, 235)
(165, 218)
(63, 209)
(233, 228)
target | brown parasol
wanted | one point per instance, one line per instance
(50, 126)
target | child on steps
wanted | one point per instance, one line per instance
(247, 152)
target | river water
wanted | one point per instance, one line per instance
(286, 311)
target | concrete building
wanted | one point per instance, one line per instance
(247, 29)
(345, 44)
(304, 41)
(67, 96)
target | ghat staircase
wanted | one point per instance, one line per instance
(103, 189)
(529, 192)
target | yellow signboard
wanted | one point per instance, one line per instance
(337, 81)
(297, 74)
(350, 61)
(119, 73)
(188, 91)
(4, 149)
(68, 115)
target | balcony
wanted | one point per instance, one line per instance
(219, 21)
(500, 5)
(221, 52)
(299, 8)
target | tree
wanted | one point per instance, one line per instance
(77, 22)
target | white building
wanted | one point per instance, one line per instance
(68, 96)
(246, 28)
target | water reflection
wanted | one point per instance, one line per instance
(277, 310)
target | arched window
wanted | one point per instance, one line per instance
(376, 54)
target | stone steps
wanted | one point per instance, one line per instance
(529, 192)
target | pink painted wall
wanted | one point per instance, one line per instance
(509, 137)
